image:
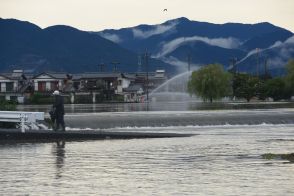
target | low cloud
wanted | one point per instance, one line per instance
(158, 29)
(112, 37)
(276, 44)
(169, 47)
(285, 48)
(290, 40)
(181, 66)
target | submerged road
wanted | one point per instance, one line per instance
(179, 118)
(49, 135)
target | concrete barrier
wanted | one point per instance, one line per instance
(21, 117)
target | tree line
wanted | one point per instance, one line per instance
(212, 83)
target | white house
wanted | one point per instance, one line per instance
(48, 82)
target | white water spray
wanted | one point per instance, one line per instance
(175, 89)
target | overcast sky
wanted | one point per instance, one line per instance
(94, 15)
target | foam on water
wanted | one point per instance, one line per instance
(179, 129)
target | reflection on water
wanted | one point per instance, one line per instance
(59, 152)
(217, 161)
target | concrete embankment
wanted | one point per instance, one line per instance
(109, 120)
(49, 135)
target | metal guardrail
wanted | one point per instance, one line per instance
(21, 117)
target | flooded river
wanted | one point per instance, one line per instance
(223, 158)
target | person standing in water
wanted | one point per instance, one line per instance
(58, 108)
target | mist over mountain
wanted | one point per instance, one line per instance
(61, 48)
(175, 40)
(272, 58)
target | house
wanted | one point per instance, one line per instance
(93, 81)
(14, 85)
(49, 82)
(155, 79)
(133, 93)
(101, 85)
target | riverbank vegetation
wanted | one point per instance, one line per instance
(288, 157)
(7, 106)
(212, 83)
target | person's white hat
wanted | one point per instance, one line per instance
(56, 92)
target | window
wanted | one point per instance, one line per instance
(9, 86)
(42, 86)
(54, 85)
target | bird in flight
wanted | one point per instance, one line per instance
(165, 10)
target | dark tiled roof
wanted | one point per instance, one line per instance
(134, 88)
(16, 76)
(53, 75)
(98, 75)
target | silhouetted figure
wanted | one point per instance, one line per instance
(58, 111)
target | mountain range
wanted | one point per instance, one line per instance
(176, 40)
(24, 45)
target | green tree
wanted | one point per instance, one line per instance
(289, 78)
(276, 88)
(210, 83)
(245, 86)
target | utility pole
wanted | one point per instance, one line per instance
(139, 63)
(115, 66)
(233, 64)
(101, 67)
(265, 68)
(189, 62)
(257, 62)
(146, 57)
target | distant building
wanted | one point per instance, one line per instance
(133, 93)
(49, 82)
(130, 86)
(14, 85)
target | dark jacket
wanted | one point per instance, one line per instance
(58, 105)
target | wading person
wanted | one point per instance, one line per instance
(58, 108)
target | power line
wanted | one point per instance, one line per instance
(115, 66)
(146, 57)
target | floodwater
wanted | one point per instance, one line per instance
(223, 158)
(159, 106)
(220, 160)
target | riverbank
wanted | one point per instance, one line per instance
(158, 106)
(77, 135)
(151, 119)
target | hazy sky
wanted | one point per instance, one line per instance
(96, 15)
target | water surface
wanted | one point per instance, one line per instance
(223, 158)
(220, 160)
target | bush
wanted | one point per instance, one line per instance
(7, 106)
(38, 98)
(276, 88)
(118, 98)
